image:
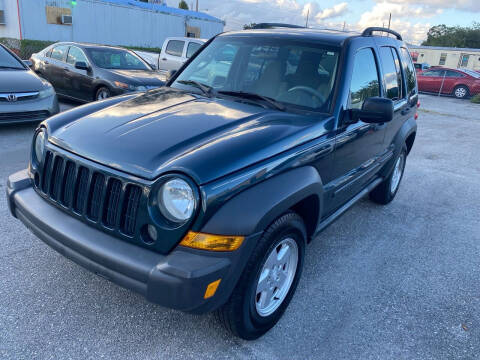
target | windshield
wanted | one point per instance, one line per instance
(293, 73)
(108, 58)
(7, 61)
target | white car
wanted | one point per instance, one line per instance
(177, 50)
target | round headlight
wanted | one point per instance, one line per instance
(39, 147)
(176, 200)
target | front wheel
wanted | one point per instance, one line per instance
(460, 92)
(269, 280)
(387, 189)
(102, 93)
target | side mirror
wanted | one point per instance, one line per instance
(81, 65)
(153, 66)
(28, 63)
(170, 74)
(374, 110)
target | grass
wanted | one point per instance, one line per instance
(475, 99)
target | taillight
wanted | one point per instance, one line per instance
(418, 103)
(416, 116)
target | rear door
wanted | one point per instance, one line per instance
(358, 146)
(79, 83)
(192, 48)
(55, 72)
(172, 57)
(452, 79)
(431, 80)
(399, 75)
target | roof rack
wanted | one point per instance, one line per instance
(368, 31)
(276, 25)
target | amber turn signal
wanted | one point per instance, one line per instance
(211, 289)
(211, 242)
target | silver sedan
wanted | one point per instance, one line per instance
(24, 96)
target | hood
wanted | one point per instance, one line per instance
(140, 77)
(19, 81)
(168, 130)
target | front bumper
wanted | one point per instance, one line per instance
(24, 111)
(177, 280)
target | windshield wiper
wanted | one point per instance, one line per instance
(252, 96)
(207, 90)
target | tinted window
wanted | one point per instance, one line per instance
(59, 52)
(8, 61)
(175, 47)
(391, 76)
(299, 74)
(110, 58)
(192, 49)
(74, 55)
(408, 70)
(433, 73)
(450, 73)
(365, 82)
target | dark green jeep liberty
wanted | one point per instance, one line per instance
(202, 195)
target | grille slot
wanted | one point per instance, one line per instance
(81, 190)
(95, 196)
(130, 206)
(112, 202)
(56, 178)
(68, 184)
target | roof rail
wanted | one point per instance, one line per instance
(368, 32)
(276, 25)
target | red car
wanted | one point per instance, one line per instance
(459, 83)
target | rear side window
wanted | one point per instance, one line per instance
(192, 49)
(75, 55)
(59, 52)
(175, 47)
(450, 73)
(365, 82)
(391, 72)
(409, 71)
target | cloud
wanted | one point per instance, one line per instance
(466, 5)
(333, 12)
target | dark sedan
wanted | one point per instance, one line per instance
(24, 96)
(88, 72)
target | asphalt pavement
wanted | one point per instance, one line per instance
(393, 282)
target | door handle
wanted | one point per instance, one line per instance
(66, 69)
(405, 111)
(46, 62)
(164, 59)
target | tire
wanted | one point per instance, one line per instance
(102, 93)
(461, 92)
(246, 313)
(385, 192)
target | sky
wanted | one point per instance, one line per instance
(412, 18)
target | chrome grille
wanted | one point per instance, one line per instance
(104, 199)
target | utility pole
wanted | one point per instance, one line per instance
(308, 13)
(196, 7)
(389, 21)
(343, 26)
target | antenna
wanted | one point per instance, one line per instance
(308, 13)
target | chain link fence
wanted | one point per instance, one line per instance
(24, 48)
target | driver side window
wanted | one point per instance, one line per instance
(365, 81)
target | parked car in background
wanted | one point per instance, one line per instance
(24, 96)
(421, 67)
(456, 82)
(89, 72)
(177, 50)
(203, 196)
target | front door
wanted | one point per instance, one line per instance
(172, 57)
(79, 82)
(358, 145)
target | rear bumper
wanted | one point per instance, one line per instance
(177, 280)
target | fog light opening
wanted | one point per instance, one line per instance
(149, 234)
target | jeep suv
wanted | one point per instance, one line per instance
(203, 195)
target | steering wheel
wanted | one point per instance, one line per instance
(309, 91)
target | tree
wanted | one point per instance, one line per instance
(249, 26)
(183, 5)
(454, 36)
